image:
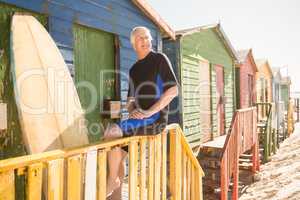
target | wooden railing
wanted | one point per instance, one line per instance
(267, 135)
(242, 136)
(80, 173)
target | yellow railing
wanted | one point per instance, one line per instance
(80, 173)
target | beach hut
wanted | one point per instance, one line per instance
(245, 79)
(93, 37)
(285, 91)
(264, 85)
(203, 59)
(285, 97)
(278, 114)
(265, 107)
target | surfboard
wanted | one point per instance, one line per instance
(49, 108)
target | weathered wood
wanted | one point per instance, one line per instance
(101, 174)
(198, 184)
(90, 190)
(34, 183)
(157, 167)
(193, 195)
(151, 169)
(175, 164)
(157, 172)
(142, 178)
(7, 185)
(23, 161)
(184, 176)
(133, 168)
(164, 166)
(188, 197)
(74, 178)
(55, 179)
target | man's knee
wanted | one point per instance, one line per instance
(113, 131)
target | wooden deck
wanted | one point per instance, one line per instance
(218, 142)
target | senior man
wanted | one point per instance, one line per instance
(152, 86)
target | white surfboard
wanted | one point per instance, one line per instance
(49, 109)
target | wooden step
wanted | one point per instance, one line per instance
(209, 162)
(213, 174)
(211, 186)
(210, 152)
(245, 166)
(244, 155)
(241, 160)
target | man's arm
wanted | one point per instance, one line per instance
(130, 104)
(162, 102)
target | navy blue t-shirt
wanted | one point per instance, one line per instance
(149, 79)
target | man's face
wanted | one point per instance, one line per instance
(142, 42)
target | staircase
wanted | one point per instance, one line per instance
(220, 158)
(267, 136)
(210, 161)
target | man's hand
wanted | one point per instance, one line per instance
(139, 114)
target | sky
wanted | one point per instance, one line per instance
(270, 27)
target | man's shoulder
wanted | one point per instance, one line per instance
(159, 55)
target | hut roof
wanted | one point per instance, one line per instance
(261, 62)
(276, 71)
(286, 80)
(218, 29)
(242, 56)
(155, 17)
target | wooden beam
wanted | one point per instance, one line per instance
(34, 181)
(101, 175)
(7, 185)
(133, 168)
(143, 163)
(175, 164)
(55, 179)
(74, 177)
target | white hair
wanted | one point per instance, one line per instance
(137, 29)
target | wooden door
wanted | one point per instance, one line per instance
(204, 102)
(220, 99)
(250, 92)
(94, 57)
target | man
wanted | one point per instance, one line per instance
(152, 86)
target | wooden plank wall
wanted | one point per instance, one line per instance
(113, 16)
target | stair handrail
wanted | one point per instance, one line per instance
(235, 144)
(267, 132)
(70, 166)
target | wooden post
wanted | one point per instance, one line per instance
(7, 185)
(142, 168)
(184, 177)
(188, 180)
(224, 180)
(157, 167)
(55, 179)
(151, 169)
(74, 177)
(164, 166)
(34, 183)
(193, 195)
(235, 194)
(101, 174)
(266, 143)
(175, 164)
(133, 168)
